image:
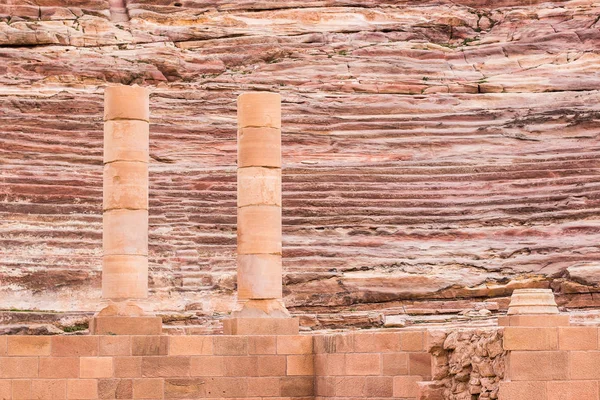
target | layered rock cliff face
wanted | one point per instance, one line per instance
(436, 153)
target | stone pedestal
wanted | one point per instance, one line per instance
(533, 307)
(261, 310)
(125, 215)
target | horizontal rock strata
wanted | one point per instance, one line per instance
(436, 153)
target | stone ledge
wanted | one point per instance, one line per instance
(261, 326)
(140, 325)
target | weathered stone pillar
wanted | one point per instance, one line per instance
(125, 214)
(259, 219)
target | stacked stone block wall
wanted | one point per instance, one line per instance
(301, 367)
(156, 367)
(543, 363)
(552, 363)
(370, 365)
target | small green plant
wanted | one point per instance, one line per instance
(468, 40)
(75, 328)
(425, 78)
(343, 52)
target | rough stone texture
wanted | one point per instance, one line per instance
(431, 150)
(467, 364)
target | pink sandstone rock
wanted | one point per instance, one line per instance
(435, 153)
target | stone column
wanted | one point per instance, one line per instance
(125, 214)
(259, 219)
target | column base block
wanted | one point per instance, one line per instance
(124, 325)
(261, 326)
(535, 320)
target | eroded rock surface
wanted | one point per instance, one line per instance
(467, 364)
(436, 153)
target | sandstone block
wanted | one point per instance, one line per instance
(363, 342)
(570, 390)
(18, 367)
(190, 345)
(115, 345)
(264, 387)
(343, 343)
(412, 341)
(419, 364)
(142, 325)
(297, 386)
(258, 186)
(271, 365)
(259, 276)
(259, 109)
(151, 345)
(376, 342)
(549, 365)
(50, 389)
(578, 337)
(406, 386)
(165, 366)
(5, 389)
(127, 367)
(295, 344)
(126, 102)
(261, 326)
(324, 386)
(395, 364)
(148, 388)
(335, 364)
(96, 367)
(207, 366)
(527, 338)
(59, 367)
(430, 390)
(125, 186)
(538, 320)
(115, 389)
(259, 147)
(21, 389)
(28, 346)
(584, 365)
(240, 366)
(300, 364)
(379, 386)
(3, 345)
(125, 232)
(73, 346)
(126, 140)
(385, 342)
(259, 230)
(230, 345)
(82, 389)
(124, 277)
(262, 344)
(522, 391)
(320, 364)
(350, 386)
(184, 388)
(226, 387)
(363, 364)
